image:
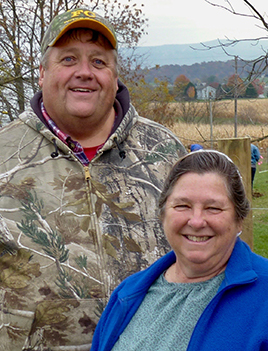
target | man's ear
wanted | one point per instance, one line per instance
(41, 75)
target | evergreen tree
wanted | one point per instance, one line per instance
(251, 91)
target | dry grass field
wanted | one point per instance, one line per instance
(252, 117)
(252, 122)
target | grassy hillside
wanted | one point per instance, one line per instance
(260, 210)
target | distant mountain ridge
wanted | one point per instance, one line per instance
(184, 54)
(198, 71)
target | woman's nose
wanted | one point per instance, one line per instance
(197, 219)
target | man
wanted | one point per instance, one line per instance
(255, 156)
(80, 174)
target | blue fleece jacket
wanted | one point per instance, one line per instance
(236, 318)
(255, 154)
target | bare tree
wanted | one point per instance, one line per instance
(22, 27)
(258, 65)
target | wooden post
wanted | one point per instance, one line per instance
(238, 149)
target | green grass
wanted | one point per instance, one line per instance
(260, 211)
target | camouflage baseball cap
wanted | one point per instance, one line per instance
(77, 18)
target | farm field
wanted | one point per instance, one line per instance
(190, 133)
(252, 122)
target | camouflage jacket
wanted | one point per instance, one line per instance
(70, 234)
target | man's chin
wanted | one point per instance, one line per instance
(79, 111)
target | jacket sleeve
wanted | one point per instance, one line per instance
(257, 154)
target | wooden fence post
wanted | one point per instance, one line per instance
(238, 149)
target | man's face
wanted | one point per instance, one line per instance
(79, 82)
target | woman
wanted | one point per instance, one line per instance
(211, 291)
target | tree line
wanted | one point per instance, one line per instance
(234, 87)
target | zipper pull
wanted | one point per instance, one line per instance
(87, 174)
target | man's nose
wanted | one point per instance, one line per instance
(84, 70)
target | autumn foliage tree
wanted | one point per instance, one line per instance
(180, 85)
(235, 86)
(259, 86)
(153, 100)
(183, 89)
(22, 27)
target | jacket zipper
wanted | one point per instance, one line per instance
(98, 238)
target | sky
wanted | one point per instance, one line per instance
(195, 21)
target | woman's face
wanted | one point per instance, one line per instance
(200, 224)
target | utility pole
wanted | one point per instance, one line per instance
(235, 100)
(211, 121)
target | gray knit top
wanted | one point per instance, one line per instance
(167, 316)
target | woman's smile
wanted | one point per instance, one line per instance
(197, 238)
